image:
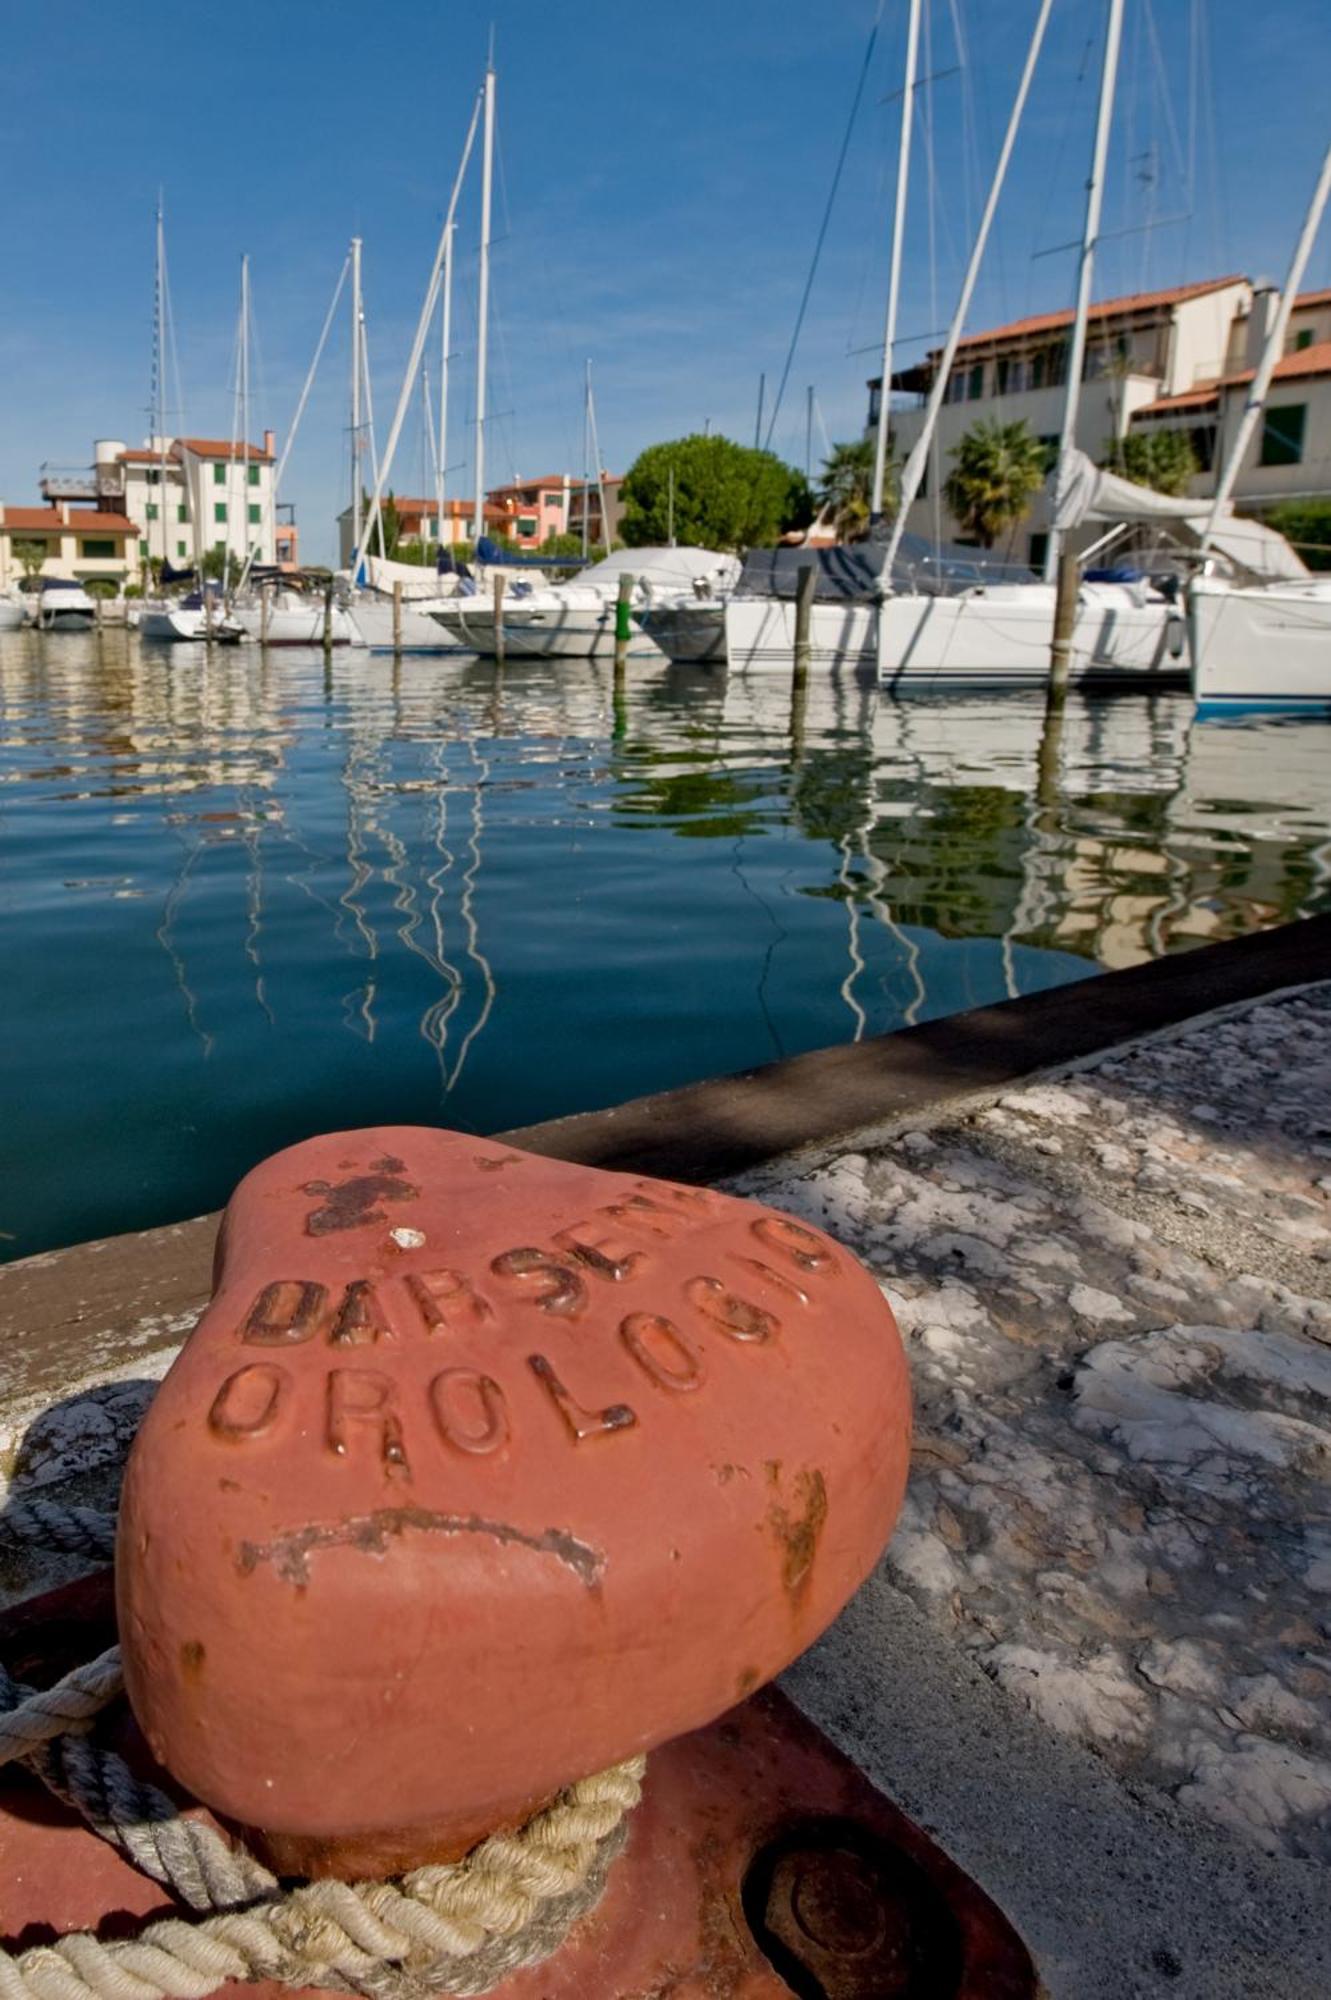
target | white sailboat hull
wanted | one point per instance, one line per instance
(296, 624)
(577, 632)
(1268, 645)
(373, 617)
(65, 611)
(686, 632)
(182, 624)
(13, 614)
(998, 635)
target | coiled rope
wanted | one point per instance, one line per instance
(458, 1928)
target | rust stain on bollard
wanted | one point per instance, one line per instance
(472, 1482)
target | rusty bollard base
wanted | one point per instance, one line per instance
(483, 1472)
(761, 1863)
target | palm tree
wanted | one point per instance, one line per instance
(997, 470)
(846, 485)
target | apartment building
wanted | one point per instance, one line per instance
(187, 495)
(1179, 358)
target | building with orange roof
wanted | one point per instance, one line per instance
(189, 495)
(92, 544)
(1177, 358)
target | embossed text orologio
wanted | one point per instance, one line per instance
(468, 1409)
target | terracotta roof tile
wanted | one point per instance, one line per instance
(82, 521)
(224, 448)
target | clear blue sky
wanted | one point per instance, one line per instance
(663, 170)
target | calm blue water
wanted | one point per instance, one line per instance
(249, 898)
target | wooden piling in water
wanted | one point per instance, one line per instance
(498, 587)
(328, 616)
(804, 596)
(1066, 589)
(623, 621)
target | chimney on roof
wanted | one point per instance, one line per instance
(268, 444)
(1261, 318)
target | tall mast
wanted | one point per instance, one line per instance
(586, 459)
(423, 324)
(808, 433)
(157, 416)
(913, 470)
(1090, 235)
(1275, 342)
(357, 481)
(894, 270)
(244, 403)
(445, 344)
(483, 304)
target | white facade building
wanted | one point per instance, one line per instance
(186, 495)
(1179, 358)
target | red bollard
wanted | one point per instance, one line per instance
(483, 1472)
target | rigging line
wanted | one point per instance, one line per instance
(309, 379)
(827, 217)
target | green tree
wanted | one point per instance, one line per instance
(29, 556)
(997, 470)
(1307, 524)
(392, 526)
(1163, 460)
(726, 495)
(217, 563)
(847, 484)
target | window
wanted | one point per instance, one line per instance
(255, 513)
(219, 473)
(219, 543)
(1050, 442)
(1282, 435)
(181, 550)
(154, 475)
(143, 549)
(1038, 547)
(254, 475)
(182, 513)
(151, 510)
(97, 548)
(1302, 339)
(526, 524)
(975, 383)
(1002, 371)
(219, 510)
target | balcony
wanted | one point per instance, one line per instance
(68, 482)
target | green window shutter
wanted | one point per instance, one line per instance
(255, 514)
(1282, 435)
(254, 475)
(182, 513)
(97, 548)
(143, 548)
(1303, 339)
(975, 388)
(181, 549)
(219, 473)
(219, 510)
(151, 510)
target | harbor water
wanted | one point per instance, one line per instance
(252, 896)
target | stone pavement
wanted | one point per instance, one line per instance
(1116, 1292)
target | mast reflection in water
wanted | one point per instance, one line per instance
(251, 897)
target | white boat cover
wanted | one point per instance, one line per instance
(1087, 492)
(417, 579)
(664, 569)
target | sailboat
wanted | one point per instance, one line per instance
(192, 617)
(1265, 644)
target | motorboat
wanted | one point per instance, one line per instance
(408, 625)
(191, 619)
(1260, 645)
(575, 620)
(64, 606)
